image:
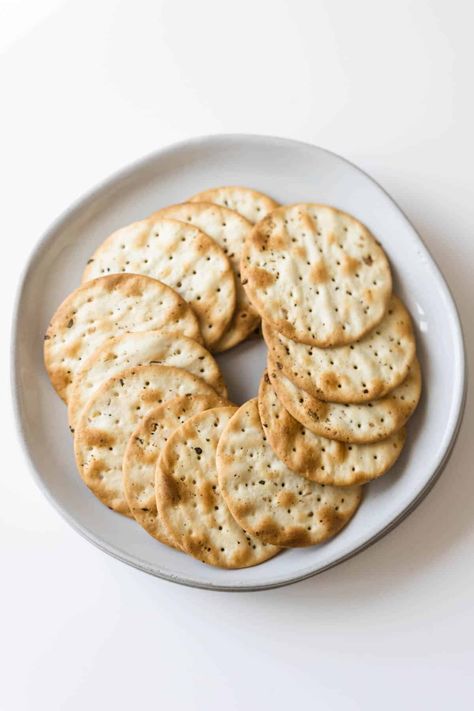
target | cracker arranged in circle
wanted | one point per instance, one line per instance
(179, 255)
(111, 415)
(316, 274)
(143, 450)
(229, 230)
(323, 460)
(269, 500)
(107, 307)
(142, 348)
(362, 423)
(252, 204)
(189, 500)
(360, 372)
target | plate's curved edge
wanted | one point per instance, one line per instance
(122, 174)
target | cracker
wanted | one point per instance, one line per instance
(247, 202)
(269, 500)
(359, 372)
(146, 347)
(109, 418)
(323, 460)
(316, 274)
(179, 255)
(190, 503)
(368, 422)
(142, 453)
(229, 230)
(105, 308)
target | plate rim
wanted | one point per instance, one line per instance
(127, 171)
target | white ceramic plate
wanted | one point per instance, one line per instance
(289, 171)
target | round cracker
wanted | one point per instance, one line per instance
(145, 348)
(142, 453)
(229, 230)
(323, 460)
(107, 307)
(269, 500)
(369, 422)
(111, 415)
(359, 372)
(247, 202)
(179, 255)
(190, 503)
(316, 274)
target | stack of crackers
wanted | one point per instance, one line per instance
(155, 437)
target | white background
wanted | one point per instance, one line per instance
(86, 87)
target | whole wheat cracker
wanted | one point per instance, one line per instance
(143, 348)
(362, 423)
(189, 500)
(107, 307)
(249, 203)
(110, 417)
(142, 453)
(316, 274)
(229, 230)
(359, 372)
(269, 500)
(323, 460)
(181, 256)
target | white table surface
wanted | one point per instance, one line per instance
(86, 87)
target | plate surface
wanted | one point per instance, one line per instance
(290, 172)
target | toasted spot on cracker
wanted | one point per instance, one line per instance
(319, 273)
(263, 278)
